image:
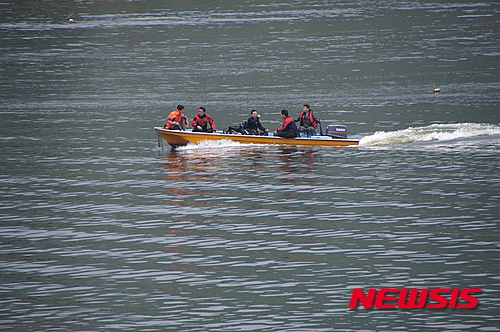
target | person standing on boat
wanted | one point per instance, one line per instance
(308, 122)
(203, 122)
(289, 129)
(177, 120)
(253, 125)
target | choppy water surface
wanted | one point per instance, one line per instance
(103, 230)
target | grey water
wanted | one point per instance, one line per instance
(102, 230)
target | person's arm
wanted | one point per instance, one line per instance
(300, 116)
(170, 122)
(316, 119)
(212, 123)
(260, 126)
(286, 123)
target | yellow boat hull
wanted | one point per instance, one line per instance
(179, 138)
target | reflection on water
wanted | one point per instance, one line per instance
(252, 237)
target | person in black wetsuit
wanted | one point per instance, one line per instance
(253, 125)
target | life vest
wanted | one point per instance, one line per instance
(311, 119)
(176, 116)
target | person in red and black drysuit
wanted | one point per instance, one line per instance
(203, 122)
(177, 120)
(289, 129)
(308, 122)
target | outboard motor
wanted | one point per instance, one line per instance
(336, 131)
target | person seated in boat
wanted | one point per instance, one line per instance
(177, 120)
(203, 122)
(289, 129)
(253, 125)
(308, 122)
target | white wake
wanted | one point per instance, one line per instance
(218, 144)
(434, 132)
